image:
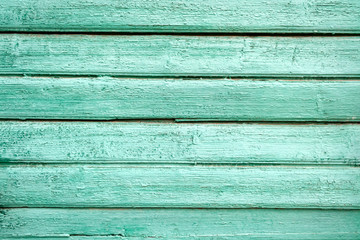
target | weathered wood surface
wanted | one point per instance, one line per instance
(111, 142)
(181, 223)
(180, 186)
(280, 16)
(114, 98)
(158, 55)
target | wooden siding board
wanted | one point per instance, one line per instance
(181, 223)
(180, 186)
(159, 55)
(237, 16)
(136, 142)
(107, 98)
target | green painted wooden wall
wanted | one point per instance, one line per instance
(188, 119)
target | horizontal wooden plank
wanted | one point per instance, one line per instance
(181, 223)
(113, 98)
(161, 55)
(135, 142)
(180, 186)
(181, 16)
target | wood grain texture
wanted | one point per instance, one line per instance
(121, 142)
(281, 16)
(181, 223)
(159, 55)
(114, 98)
(180, 186)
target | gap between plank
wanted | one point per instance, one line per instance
(293, 77)
(188, 121)
(185, 33)
(182, 208)
(173, 164)
(190, 78)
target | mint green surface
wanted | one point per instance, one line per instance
(100, 224)
(212, 99)
(198, 16)
(180, 186)
(163, 55)
(251, 132)
(136, 142)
